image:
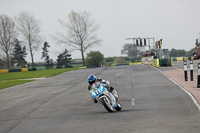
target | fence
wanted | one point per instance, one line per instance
(17, 70)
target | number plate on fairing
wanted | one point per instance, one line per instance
(98, 91)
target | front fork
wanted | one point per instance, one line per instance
(110, 98)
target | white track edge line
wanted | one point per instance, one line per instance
(191, 96)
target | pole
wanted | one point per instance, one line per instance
(149, 44)
(191, 70)
(198, 76)
(185, 70)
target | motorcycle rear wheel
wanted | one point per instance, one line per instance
(119, 107)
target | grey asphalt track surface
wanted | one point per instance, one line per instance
(151, 103)
(179, 65)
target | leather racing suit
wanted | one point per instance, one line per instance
(106, 84)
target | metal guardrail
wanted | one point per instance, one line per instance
(4, 70)
(16, 70)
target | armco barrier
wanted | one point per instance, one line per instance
(182, 58)
(174, 58)
(4, 70)
(179, 58)
(83, 67)
(137, 63)
(15, 70)
(122, 64)
(24, 69)
(32, 69)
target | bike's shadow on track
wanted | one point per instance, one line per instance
(122, 111)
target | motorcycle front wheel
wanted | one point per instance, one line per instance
(107, 105)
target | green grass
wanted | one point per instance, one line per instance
(9, 83)
(11, 79)
(33, 74)
(42, 67)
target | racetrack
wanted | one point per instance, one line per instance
(151, 103)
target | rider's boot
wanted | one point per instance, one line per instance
(95, 100)
(115, 94)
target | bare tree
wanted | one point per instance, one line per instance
(29, 28)
(7, 37)
(81, 32)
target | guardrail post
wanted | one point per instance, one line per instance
(198, 76)
(185, 70)
(191, 70)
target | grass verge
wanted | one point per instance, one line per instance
(33, 74)
(9, 83)
(11, 79)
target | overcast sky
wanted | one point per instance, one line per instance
(177, 22)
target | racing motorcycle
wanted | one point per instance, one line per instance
(103, 96)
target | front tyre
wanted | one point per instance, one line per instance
(107, 105)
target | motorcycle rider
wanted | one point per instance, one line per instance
(93, 81)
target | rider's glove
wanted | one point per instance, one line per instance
(89, 87)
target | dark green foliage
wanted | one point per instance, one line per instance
(2, 63)
(127, 58)
(109, 59)
(132, 60)
(120, 60)
(48, 62)
(95, 58)
(19, 54)
(177, 53)
(64, 59)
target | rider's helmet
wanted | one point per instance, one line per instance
(91, 79)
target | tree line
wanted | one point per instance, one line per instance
(132, 52)
(181, 52)
(23, 33)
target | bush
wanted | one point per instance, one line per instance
(132, 60)
(109, 59)
(120, 60)
(94, 58)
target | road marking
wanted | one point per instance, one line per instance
(178, 69)
(118, 74)
(133, 102)
(194, 100)
(191, 96)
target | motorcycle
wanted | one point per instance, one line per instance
(103, 96)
